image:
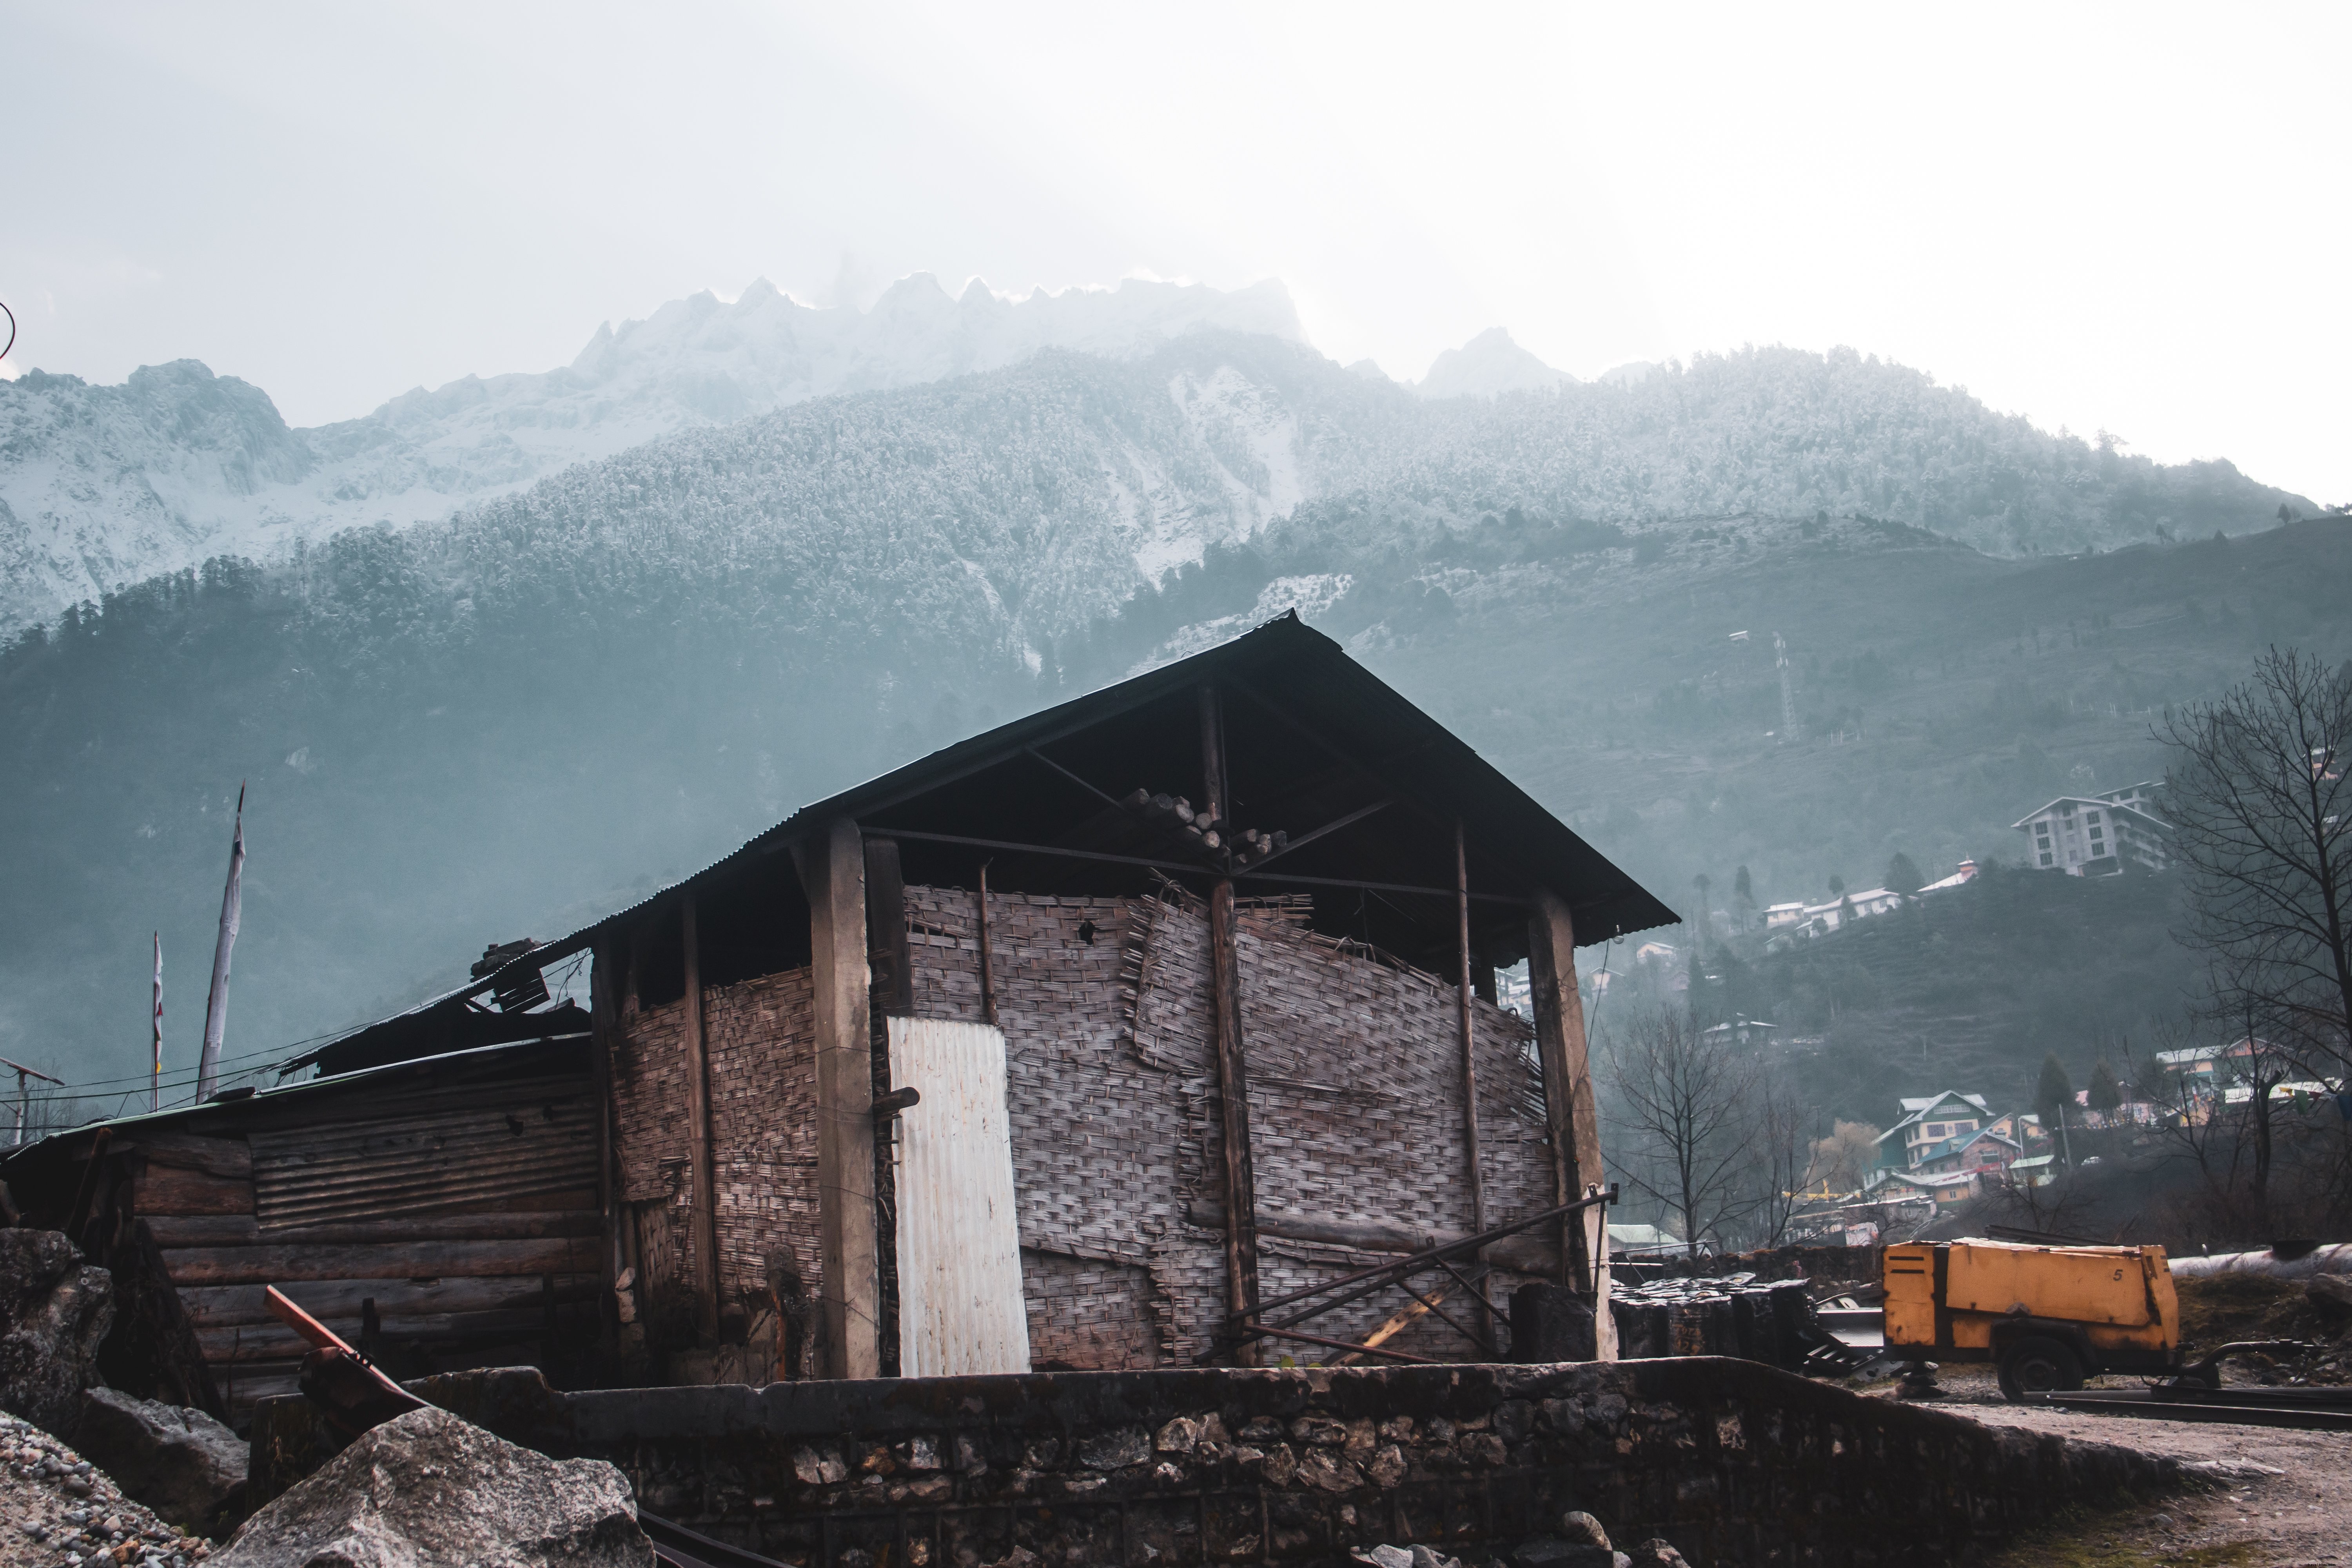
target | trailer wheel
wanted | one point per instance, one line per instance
(2039, 1366)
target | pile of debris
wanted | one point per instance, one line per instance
(62, 1511)
(1774, 1321)
(1581, 1542)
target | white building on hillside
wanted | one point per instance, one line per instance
(1789, 923)
(1961, 878)
(2091, 836)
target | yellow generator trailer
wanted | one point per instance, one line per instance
(2048, 1317)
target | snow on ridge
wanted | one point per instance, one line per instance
(103, 486)
(1310, 595)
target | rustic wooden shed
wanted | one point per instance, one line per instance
(442, 1212)
(1240, 1053)
(1193, 977)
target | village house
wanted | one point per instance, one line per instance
(1980, 1153)
(1741, 1031)
(2093, 835)
(1930, 1128)
(1786, 924)
(1062, 1047)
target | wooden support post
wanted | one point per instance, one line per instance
(1233, 1069)
(889, 955)
(1464, 1017)
(832, 864)
(987, 954)
(1574, 1122)
(603, 1026)
(603, 1043)
(889, 948)
(697, 1104)
(633, 986)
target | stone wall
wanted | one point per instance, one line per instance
(1734, 1463)
(1356, 1116)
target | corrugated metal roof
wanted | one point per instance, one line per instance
(1296, 673)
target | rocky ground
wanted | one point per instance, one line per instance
(57, 1511)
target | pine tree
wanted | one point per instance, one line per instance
(2104, 1093)
(2054, 1093)
(1902, 876)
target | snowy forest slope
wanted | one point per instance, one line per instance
(101, 486)
(496, 725)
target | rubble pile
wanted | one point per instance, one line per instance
(1580, 1542)
(60, 1510)
(1738, 1315)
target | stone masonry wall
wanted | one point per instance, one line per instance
(1734, 1463)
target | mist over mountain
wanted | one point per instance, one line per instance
(500, 724)
(1488, 364)
(101, 486)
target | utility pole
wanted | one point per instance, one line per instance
(1788, 693)
(24, 1095)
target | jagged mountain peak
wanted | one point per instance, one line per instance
(1488, 364)
(103, 486)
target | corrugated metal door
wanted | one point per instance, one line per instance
(960, 1306)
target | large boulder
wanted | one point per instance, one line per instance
(428, 1491)
(181, 1463)
(54, 1310)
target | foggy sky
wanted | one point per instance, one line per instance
(2130, 218)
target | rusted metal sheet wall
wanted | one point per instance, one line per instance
(512, 1141)
(960, 1306)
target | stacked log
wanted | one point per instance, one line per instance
(1215, 839)
(1770, 1322)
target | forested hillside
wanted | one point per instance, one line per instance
(465, 732)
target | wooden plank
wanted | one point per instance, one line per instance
(1233, 1069)
(412, 1260)
(338, 1300)
(275, 1342)
(889, 948)
(230, 1157)
(987, 953)
(175, 1190)
(243, 1230)
(1523, 1253)
(832, 864)
(1464, 1017)
(698, 1103)
(1570, 1110)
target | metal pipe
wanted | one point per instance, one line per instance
(2335, 1259)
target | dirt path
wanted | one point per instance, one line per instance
(2283, 1498)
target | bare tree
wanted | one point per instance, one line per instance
(1780, 1157)
(2260, 806)
(1843, 1161)
(1685, 1106)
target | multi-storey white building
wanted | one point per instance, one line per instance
(2092, 835)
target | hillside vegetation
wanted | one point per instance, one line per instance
(496, 726)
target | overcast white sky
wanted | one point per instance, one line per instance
(2131, 217)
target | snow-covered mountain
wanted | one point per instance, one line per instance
(1488, 364)
(102, 486)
